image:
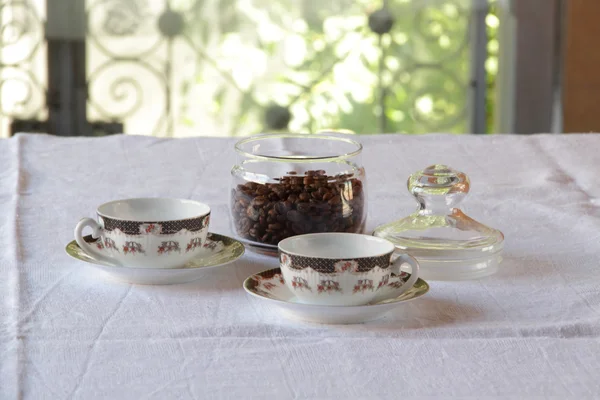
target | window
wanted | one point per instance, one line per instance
(238, 67)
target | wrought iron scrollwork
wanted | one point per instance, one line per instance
(124, 17)
(409, 60)
(126, 74)
(21, 40)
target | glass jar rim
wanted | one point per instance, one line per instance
(256, 138)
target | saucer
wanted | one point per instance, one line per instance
(270, 286)
(217, 251)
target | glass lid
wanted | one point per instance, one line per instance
(439, 230)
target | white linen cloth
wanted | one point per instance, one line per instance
(533, 329)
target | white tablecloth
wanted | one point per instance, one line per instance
(533, 329)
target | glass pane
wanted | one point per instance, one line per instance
(229, 67)
(23, 73)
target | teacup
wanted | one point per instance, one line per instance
(146, 232)
(344, 269)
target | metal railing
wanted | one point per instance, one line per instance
(180, 67)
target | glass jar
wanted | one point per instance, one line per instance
(292, 184)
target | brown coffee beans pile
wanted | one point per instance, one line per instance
(315, 202)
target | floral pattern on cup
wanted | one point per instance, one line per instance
(328, 286)
(265, 284)
(209, 245)
(151, 228)
(343, 279)
(346, 265)
(168, 247)
(193, 244)
(333, 266)
(286, 260)
(155, 228)
(333, 270)
(384, 281)
(110, 244)
(400, 282)
(299, 283)
(131, 247)
(363, 285)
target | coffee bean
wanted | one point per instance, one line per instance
(294, 216)
(317, 218)
(298, 228)
(295, 204)
(304, 196)
(283, 207)
(259, 201)
(303, 207)
(280, 192)
(320, 227)
(245, 225)
(334, 200)
(324, 207)
(252, 213)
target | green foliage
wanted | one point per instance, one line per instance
(321, 60)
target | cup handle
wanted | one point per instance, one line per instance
(414, 271)
(96, 233)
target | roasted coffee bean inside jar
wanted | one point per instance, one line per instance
(296, 204)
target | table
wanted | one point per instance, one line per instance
(533, 329)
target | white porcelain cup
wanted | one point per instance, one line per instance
(146, 232)
(344, 269)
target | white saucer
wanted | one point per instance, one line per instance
(217, 251)
(270, 286)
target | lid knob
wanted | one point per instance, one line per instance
(438, 186)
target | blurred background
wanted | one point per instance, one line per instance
(179, 68)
